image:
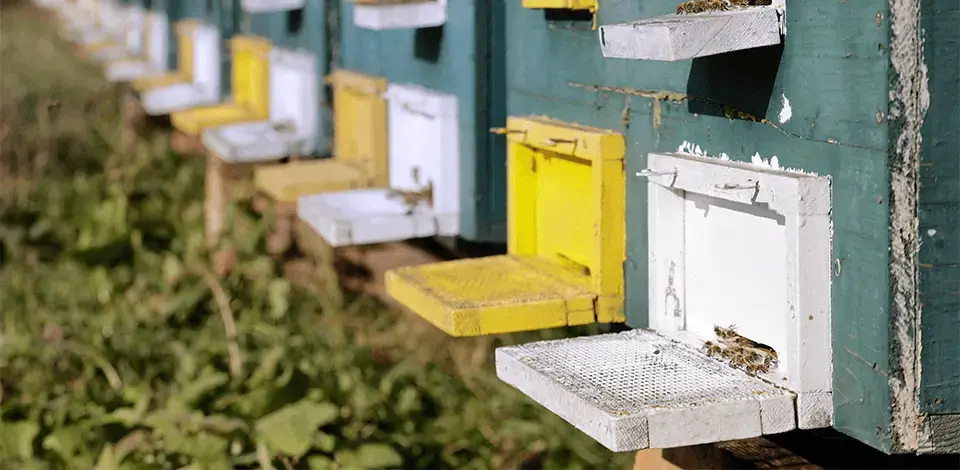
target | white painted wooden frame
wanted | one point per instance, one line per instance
(205, 88)
(156, 24)
(266, 6)
(679, 37)
(400, 15)
(49, 3)
(423, 128)
(801, 327)
(129, 24)
(294, 115)
(638, 390)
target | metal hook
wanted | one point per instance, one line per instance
(551, 141)
(647, 173)
(754, 186)
(505, 131)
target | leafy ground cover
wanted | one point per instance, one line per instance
(120, 350)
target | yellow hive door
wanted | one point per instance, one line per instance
(360, 123)
(185, 31)
(250, 74)
(497, 294)
(194, 120)
(251, 91)
(184, 72)
(285, 183)
(561, 4)
(566, 241)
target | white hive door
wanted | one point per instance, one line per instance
(294, 96)
(135, 26)
(159, 34)
(424, 145)
(206, 61)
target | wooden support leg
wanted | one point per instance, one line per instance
(701, 457)
(134, 118)
(281, 234)
(323, 256)
(188, 145)
(219, 178)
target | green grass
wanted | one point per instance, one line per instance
(119, 349)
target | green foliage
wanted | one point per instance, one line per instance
(114, 351)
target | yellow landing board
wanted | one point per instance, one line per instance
(193, 121)
(285, 183)
(497, 294)
(159, 81)
(101, 46)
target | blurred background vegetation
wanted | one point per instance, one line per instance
(119, 349)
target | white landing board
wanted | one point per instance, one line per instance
(680, 37)
(173, 98)
(130, 70)
(367, 216)
(393, 15)
(637, 390)
(252, 142)
(267, 6)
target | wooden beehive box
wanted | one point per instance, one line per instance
(795, 178)
(462, 59)
(297, 25)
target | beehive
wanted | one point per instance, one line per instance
(803, 188)
(250, 100)
(463, 58)
(297, 25)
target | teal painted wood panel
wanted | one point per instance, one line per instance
(939, 212)
(175, 12)
(833, 69)
(464, 57)
(228, 17)
(307, 29)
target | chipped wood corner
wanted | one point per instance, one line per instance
(909, 101)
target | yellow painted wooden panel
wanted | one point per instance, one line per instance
(566, 190)
(251, 73)
(195, 120)
(564, 4)
(99, 46)
(360, 123)
(143, 84)
(185, 29)
(285, 183)
(497, 294)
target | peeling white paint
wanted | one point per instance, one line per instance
(774, 162)
(690, 148)
(931, 232)
(786, 111)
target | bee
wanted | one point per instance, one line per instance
(728, 333)
(713, 349)
(755, 369)
(413, 198)
(700, 6)
(752, 356)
